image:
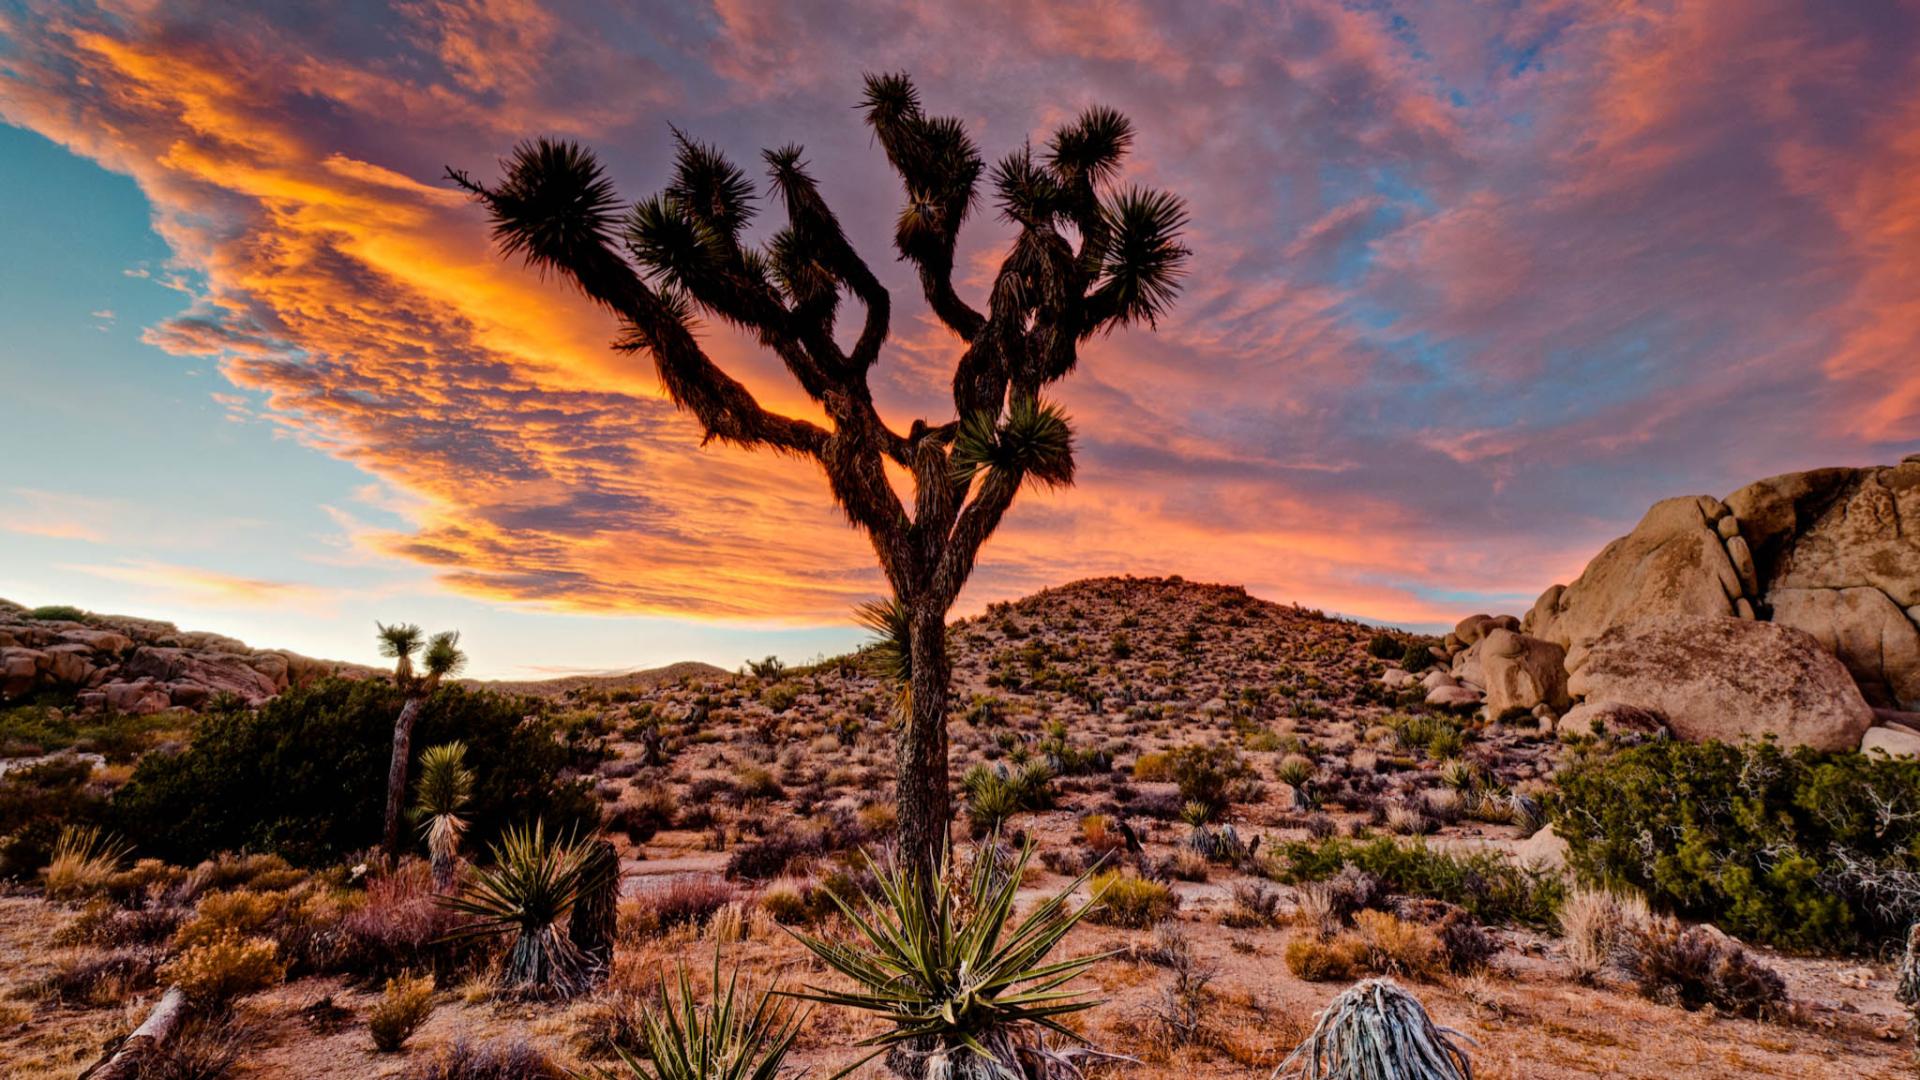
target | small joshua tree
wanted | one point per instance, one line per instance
(443, 658)
(445, 787)
(1088, 257)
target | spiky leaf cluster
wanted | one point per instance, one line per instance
(955, 970)
(736, 1037)
(1034, 442)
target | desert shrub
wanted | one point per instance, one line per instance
(84, 861)
(1415, 656)
(501, 1059)
(253, 781)
(1798, 849)
(526, 895)
(59, 613)
(1205, 773)
(1595, 924)
(1693, 966)
(754, 782)
(1395, 946)
(400, 926)
(1487, 885)
(403, 1007)
(684, 901)
(36, 804)
(1254, 906)
(1102, 835)
(214, 973)
(780, 697)
(98, 979)
(771, 855)
(1315, 959)
(642, 817)
(1127, 900)
(1385, 647)
(206, 1048)
(110, 925)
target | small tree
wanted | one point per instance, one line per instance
(443, 658)
(1087, 258)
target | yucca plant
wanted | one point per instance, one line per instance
(83, 859)
(1377, 1031)
(528, 892)
(968, 996)
(443, 659)
(440, 796)
(737, 1037)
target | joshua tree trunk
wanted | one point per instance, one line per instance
(397, 774)
(925, 805)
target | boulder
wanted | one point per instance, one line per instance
(1674, 562)
(1397, 679)
(1453, 697)
(1867, 631)
(67, 665)
(1522, 673)
(217, 672)
(138, 698)
(1466, 663)
(1727, 679)
(1472, 629)
(1435, 679)
(104, 642)
(1608, 718)
(19, 670)
(1897, 742)
(1545, 849)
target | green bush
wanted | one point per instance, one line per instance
(59, 613)
(35, 804)
(305, 776)
(1415, 657)
(1487, 885)
(1385, 647)
(1207, 774)
(1796, 849)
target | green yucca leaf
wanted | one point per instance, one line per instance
(528, 891)
(1145, 258)
(725, 1039)
(961, 974)
(1034, 443)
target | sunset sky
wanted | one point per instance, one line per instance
(1473, 283)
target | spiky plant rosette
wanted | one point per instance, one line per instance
(1034, 443)
(528, 892)
(738, 1036)
(440, 796)
(1375, 1030)
(889, 652)
(967, 992)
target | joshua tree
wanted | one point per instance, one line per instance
(443, 658)
(446, 785)
(1087, 257)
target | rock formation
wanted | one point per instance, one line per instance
(1790, 608)
(1714, 677)
(140, 666)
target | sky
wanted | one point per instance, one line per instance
(1473, 283)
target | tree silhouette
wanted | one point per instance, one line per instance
(1087, 257)
(443, 658)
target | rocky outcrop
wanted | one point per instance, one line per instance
(1675, 562)
(1726, 679)
(1522, 673)
(1831, 553)
(140, 666)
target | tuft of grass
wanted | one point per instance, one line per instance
(84, 861)
(1128, 900)
(1594, 924)
(403, 1007)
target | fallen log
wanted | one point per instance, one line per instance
(123, 1061)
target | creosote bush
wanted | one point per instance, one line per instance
(1695, 966)
(214, 973)
(1489, 886)
(1797, 849)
